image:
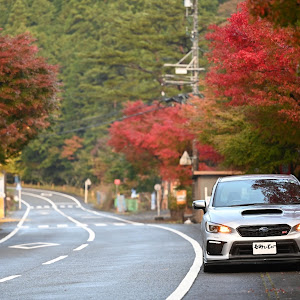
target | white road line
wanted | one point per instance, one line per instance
(9, 278)
(82, 225)
(79, 224)
(91, 211)
(119, 224)
(31, 246)
(46, 206)
(100, 224)
(43, 226)
(190, 277)
(81, 247)
(70, 206)
(62, 225)
(39, 207)
(55, 260)
(19, 224)
(62, 206)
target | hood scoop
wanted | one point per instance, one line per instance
(262, 212)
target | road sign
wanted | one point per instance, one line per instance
(157, 187)
(86, 184)
(18, 187)
(117, 181)
(185, 159)
(181, 197)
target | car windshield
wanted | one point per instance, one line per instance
(260, 191)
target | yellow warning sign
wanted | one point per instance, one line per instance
(181, 197)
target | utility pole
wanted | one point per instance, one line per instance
(187, 73)
(195, 51)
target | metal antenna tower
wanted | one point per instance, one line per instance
(187, 73)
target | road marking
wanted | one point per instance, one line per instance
(55, 260)
(46, 194)
(81, 247)
(33, 245)
(101, 224)
(39, 207)
(44, 213)
(82, 225)
(9, 278)
(91, 217)
(19, 224)
(119, 224)
(190, 277)
(79, 224)
(43, 226)
(62, 225)
(62, 206)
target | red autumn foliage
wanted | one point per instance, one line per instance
(283, 13)
(156, 137)
(71, 146)
(255, 64)
(28, 86)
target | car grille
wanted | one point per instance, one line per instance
(246, 248)
(264, 230)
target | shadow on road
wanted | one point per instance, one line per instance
(278, 267)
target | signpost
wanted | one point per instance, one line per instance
(2, 195)
(86, 184)
(117, 182)
(157, 187)
(19, 189)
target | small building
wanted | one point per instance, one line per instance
(203, 182)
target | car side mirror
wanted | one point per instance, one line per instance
(199, 204)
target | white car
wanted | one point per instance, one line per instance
(251, 219)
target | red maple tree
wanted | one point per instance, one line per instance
(28, 87)
(282, 13)
(71, 146)
(156, 137)
(255, 64)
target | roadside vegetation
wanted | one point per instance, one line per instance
(112, 121)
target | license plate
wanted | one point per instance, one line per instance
(264, 248)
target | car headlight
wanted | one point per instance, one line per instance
(218, 228)
(297, 227)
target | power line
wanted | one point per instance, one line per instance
(112, 113)
(104, 123)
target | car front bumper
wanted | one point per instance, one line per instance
(232, 248)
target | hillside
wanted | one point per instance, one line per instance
(109, 52)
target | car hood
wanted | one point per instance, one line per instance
(255, 215)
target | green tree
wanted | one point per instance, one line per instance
(108, 52)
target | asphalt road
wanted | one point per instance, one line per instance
(62, 249)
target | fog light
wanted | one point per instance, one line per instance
(298, 227)
(214, 247)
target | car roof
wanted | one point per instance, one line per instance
(258, 177)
